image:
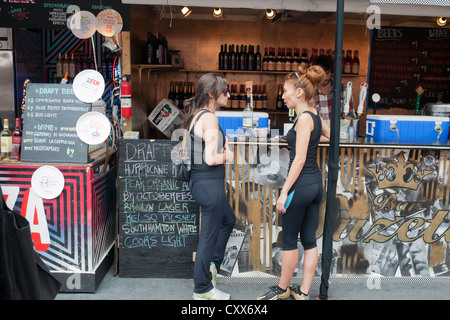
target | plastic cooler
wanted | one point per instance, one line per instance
(232, 120)
(407, 127)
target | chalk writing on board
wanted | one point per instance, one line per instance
(402, 58)
(49, 127)
(157, 210)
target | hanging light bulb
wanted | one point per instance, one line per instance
(186, 11)
(217, 12)
(270, 14)
(442, 21)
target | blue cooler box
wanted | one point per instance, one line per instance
(232, 120)
(407, 127)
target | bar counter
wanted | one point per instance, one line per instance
(73, 233)
(391, 212)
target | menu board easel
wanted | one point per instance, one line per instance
(49, 125)
(158, 216)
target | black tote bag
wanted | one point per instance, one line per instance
(23, 275)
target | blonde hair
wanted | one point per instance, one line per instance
(307, 79)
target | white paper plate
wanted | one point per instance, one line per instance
(109, 22)
(83, 24)
(93, 128)
(88, 85)
(47, 182)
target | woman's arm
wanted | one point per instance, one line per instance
(303, 130)
(325, 137)
(210, 133)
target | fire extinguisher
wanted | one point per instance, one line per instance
(125, 98)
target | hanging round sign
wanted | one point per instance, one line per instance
(109, 22)
(83, 24)
(93, 128)
(88, 85)
(47, 182)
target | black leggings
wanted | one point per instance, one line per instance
(217, 222)
(302, 216)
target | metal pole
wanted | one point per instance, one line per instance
(333, 157)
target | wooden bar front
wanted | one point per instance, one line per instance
(391, 213)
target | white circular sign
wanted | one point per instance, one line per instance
(83, 24)
(376, 97)
(88, 85)
(109, 22)
(93, 127)
(47, 182)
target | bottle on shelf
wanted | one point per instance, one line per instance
(279, 61)
(238, 58)
(151, 47)
(313, 56)
(234, 97)
(258, 98)
(242, 97)
(280, 102)
(265, 60)
(176, 96)
(5, 141)
(59, 66)
(296, 60)
(251, 59)
(232, 57)
(288, 61)
(16, 141)
(72, 67)
(264, 98)
(226, 58)
(348, 62)
(242, 59)
(221, 58)
(65, 65)
(171, 91)
(258, 61)
(304, 58)
(247, 114)
(271, 63)
(355, 62)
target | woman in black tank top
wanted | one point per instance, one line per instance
(302, 191)
(209, 151)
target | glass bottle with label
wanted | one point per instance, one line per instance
(6, 141)
(247, 114)
(16, 141)
(355, 62)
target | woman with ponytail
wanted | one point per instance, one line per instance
(209, 151)
(302, 191)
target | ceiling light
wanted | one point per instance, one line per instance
(186, 11)
(442, 21)
(270, 14)
(217, 12)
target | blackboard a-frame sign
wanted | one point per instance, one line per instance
(158, 217)
(49, 125)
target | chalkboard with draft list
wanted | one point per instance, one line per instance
(158, 217)
(49, 124)
(404, 58)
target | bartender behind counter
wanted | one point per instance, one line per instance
(324, 96)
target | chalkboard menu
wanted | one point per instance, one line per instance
(402, 59)
(53, 14)
(158, 217)
(49, 124)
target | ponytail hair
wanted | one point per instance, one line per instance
(307, 79)
(209, 83)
